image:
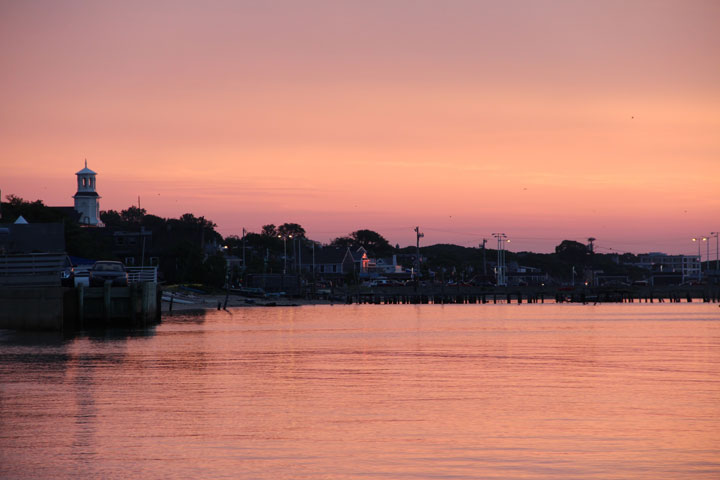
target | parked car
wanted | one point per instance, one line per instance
(82, 275)
(106, 270)
(67, 274)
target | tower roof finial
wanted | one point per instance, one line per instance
(86, 163)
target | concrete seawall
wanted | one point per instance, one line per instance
(59, 308)
(32, 308)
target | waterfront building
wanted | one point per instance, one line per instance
(686, 265)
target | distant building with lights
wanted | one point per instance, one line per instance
(686, 265)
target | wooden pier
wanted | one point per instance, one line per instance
(401, 296)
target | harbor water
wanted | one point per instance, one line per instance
(541, 391)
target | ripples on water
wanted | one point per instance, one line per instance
(398, 391)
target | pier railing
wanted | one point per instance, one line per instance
(141, 274)
(32, 269)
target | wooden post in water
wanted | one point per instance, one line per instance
(133, 303)
(81, 305)
(147, 295)
(107, 297)
(158, 304)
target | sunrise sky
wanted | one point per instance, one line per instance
(544, 120)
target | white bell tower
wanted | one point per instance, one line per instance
(87, 201)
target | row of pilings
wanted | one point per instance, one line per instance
(442, 299)
(520, 297)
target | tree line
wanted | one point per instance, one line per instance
(191, 250)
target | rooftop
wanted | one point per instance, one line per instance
(86, 171)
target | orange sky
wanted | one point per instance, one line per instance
(545, 120)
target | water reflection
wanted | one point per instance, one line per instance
(533, 391)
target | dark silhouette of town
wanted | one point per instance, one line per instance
(189, 250)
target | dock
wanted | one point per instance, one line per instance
(507, 295)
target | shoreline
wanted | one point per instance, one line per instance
(205, 302)
(189, 302)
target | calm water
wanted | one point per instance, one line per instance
(398, 392)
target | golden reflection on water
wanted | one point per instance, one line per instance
(459, 391)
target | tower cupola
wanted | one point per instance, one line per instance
(87, 200)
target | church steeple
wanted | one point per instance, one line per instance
(87, 198)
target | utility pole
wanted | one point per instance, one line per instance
(284, 238)
(698, 240)
(707, 240)
(591, 247)
(501, 269)
(243, 241)
(417, 258)
(313, 270)
(299, 262)
(484, 259)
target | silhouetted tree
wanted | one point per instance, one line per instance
(269, 230)
(111, 218)
(572, 252)
(132, 215)
(343, 242)
(153, 222)
(291, 229)
(372, 242)
(33, 212)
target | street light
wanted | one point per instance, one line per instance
(285, 237)
(717, 253)
(501, 276)
(698, 240)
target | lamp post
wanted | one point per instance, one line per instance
(698, 240)
(707, 256)
(717, 253)
(501, 279)
(284, 237)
